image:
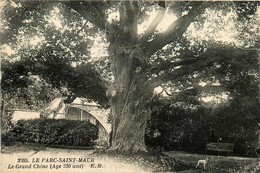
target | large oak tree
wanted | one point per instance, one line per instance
(134, 61)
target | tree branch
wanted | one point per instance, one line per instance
(204, 61)
(182, 94)
(168, 65)
(82, 28)
(90, 13)
(210, 89)
(128, 18)
(176, 29)
(156, 21)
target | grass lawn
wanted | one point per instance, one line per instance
(217, 164)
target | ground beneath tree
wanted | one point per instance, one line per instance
(217, 164)
(86, 161)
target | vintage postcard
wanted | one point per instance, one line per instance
(129, 86)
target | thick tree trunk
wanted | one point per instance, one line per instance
(128, 130)
(129, 98)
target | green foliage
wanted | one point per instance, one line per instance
(246, 10)
(238, 124)
(60, 57)
(36, 81)
(234, 121)
(176, 127)
(188, 125)
(23, 90)
(52, 132)
(6, 122)
(70, 42)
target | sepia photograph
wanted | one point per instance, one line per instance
(130, 86)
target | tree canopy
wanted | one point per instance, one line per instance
(118, 53)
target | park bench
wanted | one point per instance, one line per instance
(220, 147)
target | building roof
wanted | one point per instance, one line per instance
(83, 101)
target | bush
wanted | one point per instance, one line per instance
(6, 123)
(178, 128)
(174, 128)
(53, 132)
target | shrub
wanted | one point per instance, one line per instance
(190, 129)
(177, 128)
(6, 123)
(50, 131)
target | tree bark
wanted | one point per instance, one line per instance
(129, 98)
(129, 129)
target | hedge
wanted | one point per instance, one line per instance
(53, 132)
(177, 128)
